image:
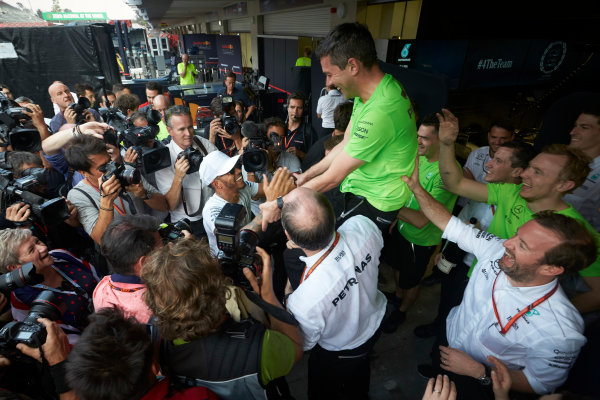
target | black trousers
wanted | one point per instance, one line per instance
(453, 287)
(467, 388)
(342, 374)
(358, 205)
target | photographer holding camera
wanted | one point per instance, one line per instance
(109, 190)
(224, 130)
(278, 157)
(186, 193)
(70, 112)
(69, 278)
(187, 291)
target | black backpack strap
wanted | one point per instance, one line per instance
(276, 312)
(86, 195)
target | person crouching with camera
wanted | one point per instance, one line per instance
(201, 344)
(109, 190)
(69, 278)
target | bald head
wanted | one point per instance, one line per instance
(160, 104)
(308, 219)
(60, 95)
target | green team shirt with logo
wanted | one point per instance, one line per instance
(384, 135)
(430, 179)
(512, 212)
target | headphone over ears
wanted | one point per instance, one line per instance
(294, 97)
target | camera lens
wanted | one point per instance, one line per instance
(46, 305)
(130, 176)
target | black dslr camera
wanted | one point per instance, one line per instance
(172, 232)
(150, 159)
(194, 157)
(82, 104)
(50, 212)
(124, 173)
(30, 331)
(12, 130)
(228, 120)
(237, 249)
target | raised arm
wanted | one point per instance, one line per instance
(323, 165)
(54, 143)
(452, 175)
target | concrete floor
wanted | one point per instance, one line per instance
(396, 356)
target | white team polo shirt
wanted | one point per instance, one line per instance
(586, 198)
(543, 343)
(338, 305)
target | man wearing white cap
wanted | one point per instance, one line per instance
(225, 176)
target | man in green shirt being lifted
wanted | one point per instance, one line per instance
(557, 170)
(380, 142)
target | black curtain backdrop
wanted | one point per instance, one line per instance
(70, 54)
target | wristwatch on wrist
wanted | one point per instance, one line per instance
(280, 202)
(486, 378)
(148, 195)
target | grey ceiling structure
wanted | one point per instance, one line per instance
(176, 12)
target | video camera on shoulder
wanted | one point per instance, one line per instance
(30, 331)
(125, 174)
(82, 104)
(174, 231)
(50, 212)
(237, 249)
(141, 138)
(115, 118)
(12, 130)
(255, 157)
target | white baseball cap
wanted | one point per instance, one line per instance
(216, 164)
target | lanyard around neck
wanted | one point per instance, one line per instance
(288, 142)
(119, 210)
(320, 260)
(504, 330)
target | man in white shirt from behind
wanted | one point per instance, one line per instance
(337, 303)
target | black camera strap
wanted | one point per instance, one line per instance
(280, 314)
(199, 210)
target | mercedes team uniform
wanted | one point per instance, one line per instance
(339, 308)
(543, 343)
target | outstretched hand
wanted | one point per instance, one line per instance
(448, 131)
(440, 388)
(281, 184)
(500, 379)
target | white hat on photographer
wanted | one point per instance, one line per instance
(216, 164)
